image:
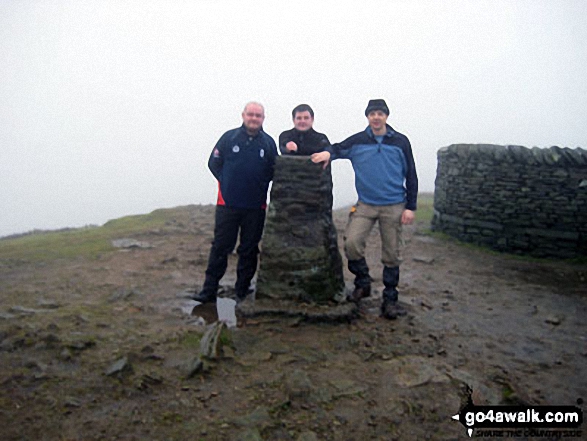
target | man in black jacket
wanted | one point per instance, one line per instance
(242, 161)
(302, 139)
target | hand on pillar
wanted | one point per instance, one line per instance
(321, 157)
(291, 146)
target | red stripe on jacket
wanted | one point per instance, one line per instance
(220, 200)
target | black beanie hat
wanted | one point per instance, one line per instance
(376, 105)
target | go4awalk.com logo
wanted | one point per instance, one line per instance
(517, 421)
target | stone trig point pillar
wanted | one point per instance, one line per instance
(300, 265)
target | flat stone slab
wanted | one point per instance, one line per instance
(340, 312)
(130, 243)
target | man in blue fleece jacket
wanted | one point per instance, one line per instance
(242, 161)
(387, 186)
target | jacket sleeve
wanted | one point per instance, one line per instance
(342, 150)
(274, 154)
(411, 178)
(216, 160)
(284, 138)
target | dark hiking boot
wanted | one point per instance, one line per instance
(360, 292)
(205, 296)
(362, 280)
(392, 309)
(241, 294)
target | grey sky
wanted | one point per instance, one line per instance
(111, 107)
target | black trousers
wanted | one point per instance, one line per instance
(228, 223)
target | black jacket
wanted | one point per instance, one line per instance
(308, 142)
(243, 166)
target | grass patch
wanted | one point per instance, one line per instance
(190, 340)
(226, 338)
(425, 208)
(86, 242)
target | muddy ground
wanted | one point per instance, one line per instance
(103, 349)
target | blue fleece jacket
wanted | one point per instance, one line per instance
(385, 172)
(243, 165)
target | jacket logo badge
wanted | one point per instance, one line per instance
(236, 149)
(216, 153)
(261, 153)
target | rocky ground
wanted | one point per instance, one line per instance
(108, 348)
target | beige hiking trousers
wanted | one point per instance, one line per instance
(362, 218)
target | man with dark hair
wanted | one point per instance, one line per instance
(242, 162)
(302, 139)
(387, 186)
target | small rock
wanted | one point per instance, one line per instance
(24, 311)
(194, 366)
(81, 345)
(249, 435)
(50, 340)
(307, 436)
(346, 388)
(65, 355)
(298, 384)
(148, 380)
(228, 352)
(410, 371)
(153, 378)
(122, 294)
(72, 402)
(130, 243)
(554, 320)
(147, 349)
(118, 367)
(258, 418)
(210, 342)
(48, 304)
(423, 259)
(426, 304)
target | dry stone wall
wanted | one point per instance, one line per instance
(513, 199)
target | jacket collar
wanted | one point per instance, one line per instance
(243, 129)
(389, 132)
(310, 130)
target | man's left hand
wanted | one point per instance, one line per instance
(408, 217)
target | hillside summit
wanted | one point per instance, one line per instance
(98, 342)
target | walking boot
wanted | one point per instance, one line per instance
(241, 294)
(360, 292)
(362, 280)
(208, 292)
(390, 308)
(205, 296)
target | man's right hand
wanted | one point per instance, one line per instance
(291, 146)
(321, 157)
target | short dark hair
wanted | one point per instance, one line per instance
(302, 108)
